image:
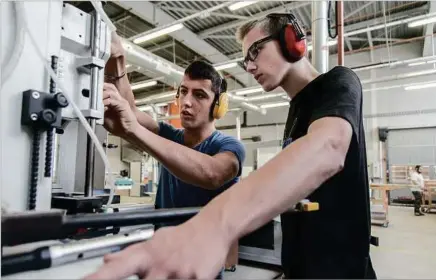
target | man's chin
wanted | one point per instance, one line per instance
(187, 124)
(268, 87)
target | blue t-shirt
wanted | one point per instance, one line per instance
(174, 193)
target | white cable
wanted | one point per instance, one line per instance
(98, 7)
(79, 114)
(11, 61)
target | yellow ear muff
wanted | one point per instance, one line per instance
(221, 106)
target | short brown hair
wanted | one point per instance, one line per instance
(268, 25)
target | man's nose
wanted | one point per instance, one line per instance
(251, 66)
(186, 101)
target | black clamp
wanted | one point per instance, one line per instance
(42, 110)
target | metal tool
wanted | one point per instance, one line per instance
(34, 226)
(56, 255)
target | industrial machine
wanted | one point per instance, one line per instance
(57, 205)
(58, 209)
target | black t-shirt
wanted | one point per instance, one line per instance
(334, 241)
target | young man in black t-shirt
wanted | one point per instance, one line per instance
(323, 159)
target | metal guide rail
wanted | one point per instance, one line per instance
(22, 228)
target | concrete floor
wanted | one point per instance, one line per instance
(407, 246)
(407, 249)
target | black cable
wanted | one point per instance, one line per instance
(36, 141)
(329, 21)
(50, 131)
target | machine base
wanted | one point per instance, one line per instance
(76, 203)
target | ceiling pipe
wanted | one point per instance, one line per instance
(340, 28)
(400, 76)
(320, 49)
(140, 57)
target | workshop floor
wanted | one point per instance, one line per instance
(406, 251)
(407, 246)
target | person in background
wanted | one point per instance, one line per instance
(198, 162)
(418, 181)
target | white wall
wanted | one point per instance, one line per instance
(114, 155)
(391, 101)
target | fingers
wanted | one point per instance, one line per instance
(157, 274)
(131, 261)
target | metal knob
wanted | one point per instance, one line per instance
(61, 100)
(48, 116)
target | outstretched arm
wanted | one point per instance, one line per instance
(189, 165)
(290, 176)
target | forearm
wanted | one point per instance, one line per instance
(186, 164)
(115, 68)
(271, 190)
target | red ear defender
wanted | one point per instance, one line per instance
(291, 38)
(295, 48)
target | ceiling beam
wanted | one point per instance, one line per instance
(349, 46)
(429, 41)
(373, 39)
(380, 20)
(295, 5)
(152, 14)
(352, 13)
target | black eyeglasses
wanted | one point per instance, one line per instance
(254, 50)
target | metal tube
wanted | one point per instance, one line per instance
(340, 25)
(238, 126)
(90, 151)
(129, 218)
(320, 50)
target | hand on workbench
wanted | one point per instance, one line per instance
(183, 252)
(119, 118)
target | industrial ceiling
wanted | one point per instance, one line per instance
(208, 32)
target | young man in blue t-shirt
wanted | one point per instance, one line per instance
(197, 162)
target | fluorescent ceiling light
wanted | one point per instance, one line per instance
(158, 33)
(274, 105)
(144, 85)
(241, 4)
(253, 90)
(421, 86)
(226, 66)
(422, 63)
(250, 105)
(264, 96)
(417, 63)
(422, 22)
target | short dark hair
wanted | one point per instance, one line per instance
(202, 70)
(417, 167)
